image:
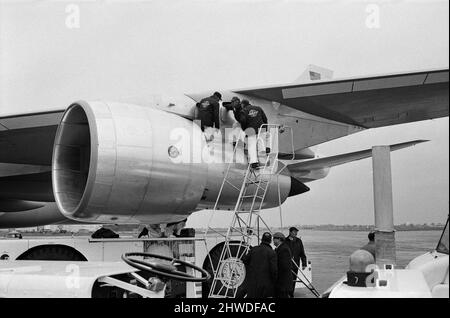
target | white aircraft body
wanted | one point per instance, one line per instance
(112, 162)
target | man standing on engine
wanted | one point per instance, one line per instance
(207, 112)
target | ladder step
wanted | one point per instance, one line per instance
(245, 211)
(260, 182)
(246, 198)
(252, 196)
(257, 183)
(243, 233)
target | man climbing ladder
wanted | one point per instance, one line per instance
(252, 118)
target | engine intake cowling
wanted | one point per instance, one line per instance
(112, 163)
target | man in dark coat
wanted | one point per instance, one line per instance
(261, 269)
(298, 253)
(251, 116)
(284, 257)
(144, 232)
(208, 111)
(370, 246)
(236, 107)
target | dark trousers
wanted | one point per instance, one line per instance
(291, 292)
(282, 294)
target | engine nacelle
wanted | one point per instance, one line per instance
(113, 162)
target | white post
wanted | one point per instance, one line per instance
(383, 201)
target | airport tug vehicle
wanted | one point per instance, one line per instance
(426, 276)
(140, 275)
(82, 251)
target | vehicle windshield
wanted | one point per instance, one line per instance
(443, 242)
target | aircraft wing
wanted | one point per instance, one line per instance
(366, 102)
(27, 139)
(328, 162)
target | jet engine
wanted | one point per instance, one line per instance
(124, 163)
(115, 162)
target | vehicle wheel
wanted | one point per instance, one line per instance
(233, 260)
(52, 253)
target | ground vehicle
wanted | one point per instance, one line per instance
(426, 276)
(131, 278)
(14, 235)
(79, 249)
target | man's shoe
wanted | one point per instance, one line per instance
(267, 150)
(255, 165)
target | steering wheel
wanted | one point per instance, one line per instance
(165, 270)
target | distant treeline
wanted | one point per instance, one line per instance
(363, 228)
(322, 227)
(366, 228)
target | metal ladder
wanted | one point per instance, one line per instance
(229, 272)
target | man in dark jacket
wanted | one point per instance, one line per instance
(144, 232)
(370, 246)
(284, 279)
(236, 106)
(251, 119)
(208, 111)
(295, 244)
(261, 268)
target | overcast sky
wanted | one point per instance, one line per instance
(49, 59)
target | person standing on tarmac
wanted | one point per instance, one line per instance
(251, 119)
(207, 112)
(284, 257)
(370, 246)
(295, 244)
(261, 268)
